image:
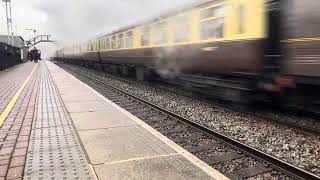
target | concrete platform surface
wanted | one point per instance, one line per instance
(60, 128)
(11, 80)
(119, 145)
(18, 93)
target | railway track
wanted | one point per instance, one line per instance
(305, 129)
(231, 157)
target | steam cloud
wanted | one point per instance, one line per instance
(72, 21)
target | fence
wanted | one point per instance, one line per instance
(9, 56)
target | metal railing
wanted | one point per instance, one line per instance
(38, 39)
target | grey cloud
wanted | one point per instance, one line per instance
(73, 21)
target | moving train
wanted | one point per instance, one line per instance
(269, 49)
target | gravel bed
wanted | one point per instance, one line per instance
(160, 122)
(296, 148)
(273, 175)
(166, 128)
(280, 116)
(236, 164)
(183, 135)
(307, 122)
(157, 117)
(215, 151)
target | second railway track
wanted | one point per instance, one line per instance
(231, 157)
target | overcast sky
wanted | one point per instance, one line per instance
(71, 21)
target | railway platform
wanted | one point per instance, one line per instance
(53, 126)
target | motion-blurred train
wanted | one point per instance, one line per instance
(266, 48)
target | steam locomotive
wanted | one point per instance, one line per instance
(268, 49)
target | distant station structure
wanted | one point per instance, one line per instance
(17, 41)
(17, 50)
(39, 39)
(13, 51)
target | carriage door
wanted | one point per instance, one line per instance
(273, 51)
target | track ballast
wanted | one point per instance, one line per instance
(233, 158)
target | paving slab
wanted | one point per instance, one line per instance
(110, 118)
(60, 173)
(155, 168)
(52, 131)
(70, 90)
(54, 151)
(79, 97)
(16, 127)
(122, 143)
(85, 106)
(11, 80)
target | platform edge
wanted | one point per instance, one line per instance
(193, 159)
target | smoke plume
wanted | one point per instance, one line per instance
(72, 21)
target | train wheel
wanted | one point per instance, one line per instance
(167, 68)
(97, 66)
(124, 70)
(142, 73)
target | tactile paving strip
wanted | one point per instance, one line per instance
(54, 150)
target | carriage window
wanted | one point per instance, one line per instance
(161, 33)
(145, 37)
(114, 42)
(212, 23)
(217, 11)
(242, 19)
(107, 44)
(120, 41)
(98, 45)
(101, 44)
(182, 29)
(129, 40)
(212, 29)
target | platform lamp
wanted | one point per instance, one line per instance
(9, 19)
(30, 30)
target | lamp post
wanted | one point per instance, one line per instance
(11, 21)
(8, 18)
(30, 30)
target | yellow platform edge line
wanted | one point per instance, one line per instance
(13, 101)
